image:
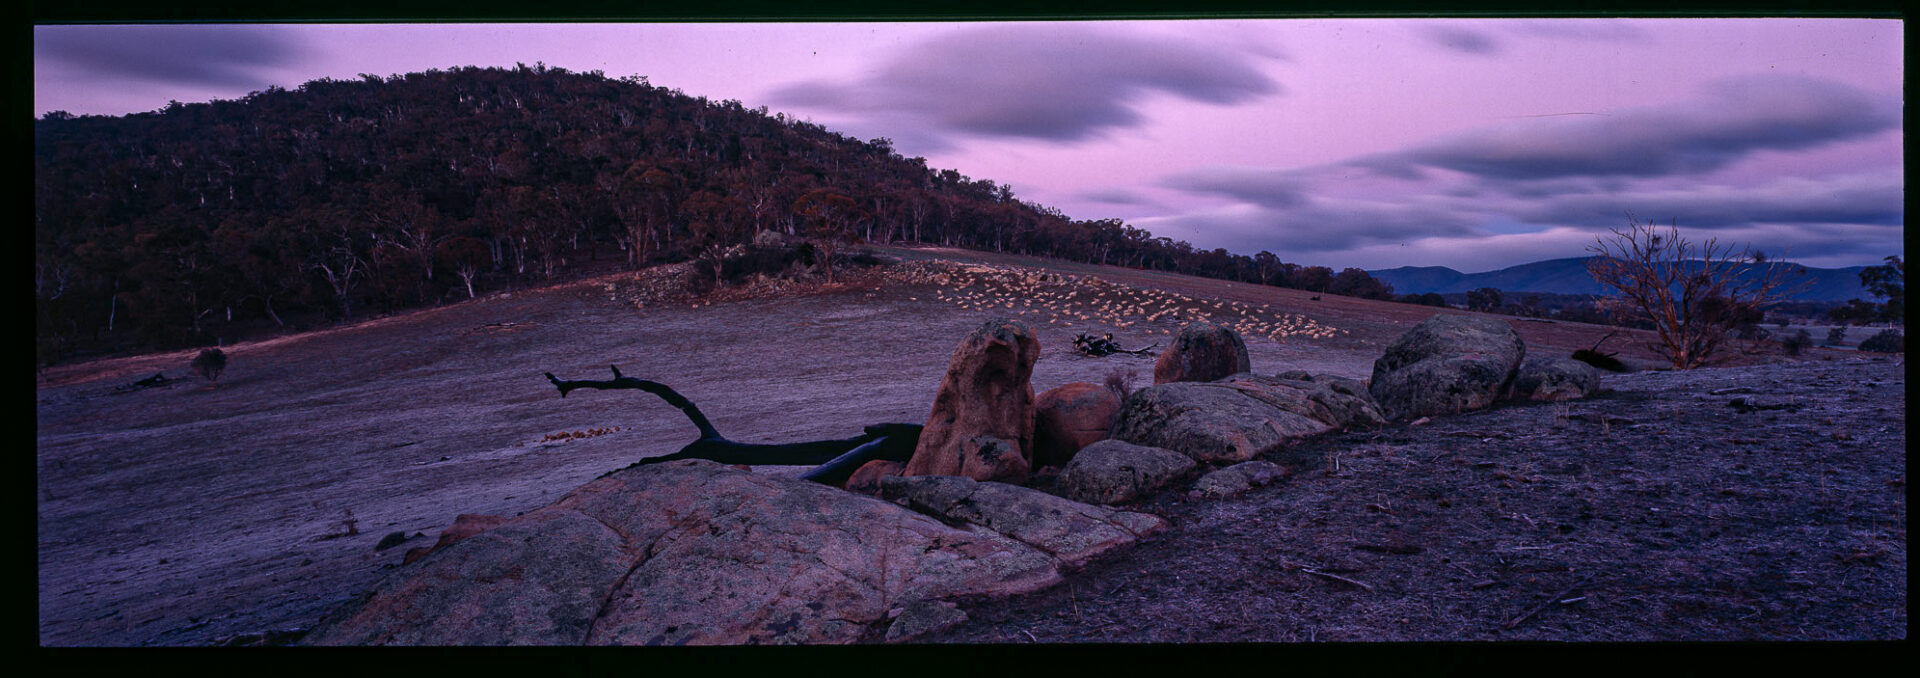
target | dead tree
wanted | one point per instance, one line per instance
(835, 460)
(1693, 297)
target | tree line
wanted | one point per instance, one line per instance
(201, 222)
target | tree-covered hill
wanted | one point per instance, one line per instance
(202, 222)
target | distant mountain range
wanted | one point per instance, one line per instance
(1569, 276)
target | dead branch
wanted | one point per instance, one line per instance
(1336, 577)
(1544, 603)
(836, 459)
(1100, 347)
(158, 379)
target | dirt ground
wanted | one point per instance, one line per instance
(1657, 511)
(194, 514)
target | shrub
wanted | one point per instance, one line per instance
(1796, 341)
(210, 363)
(1837, 336)
(1887, 341)
(1120, 382)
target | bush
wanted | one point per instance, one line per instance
(210, 363)
(1796, 341)
(1837, 336)
(1887, 341)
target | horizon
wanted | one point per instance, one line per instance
(1472, 144)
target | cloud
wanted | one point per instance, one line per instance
(1859, 199)
(1264, 187)
(1115, 196)
(1735, 118)
(221, 56)
(1468, 222)
(1461, 39)
(1599, 30)
(1053, 83)
(1324, 225)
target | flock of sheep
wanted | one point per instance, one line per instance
(1098, 305)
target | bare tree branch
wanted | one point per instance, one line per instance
(1692, 296)
(836, 459)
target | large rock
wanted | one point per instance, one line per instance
(922, 618)
(982, 420)
(1072, 532)
(695, 552)
(1446, 365)
(464, 525)
(1242, 416)
(1238, 478)
(1070, 417)
(1555, 379)
(866, 479)
(1202, 351)
(1113, 471)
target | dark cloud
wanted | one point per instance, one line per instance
(1736, 118)
(1326, 226)
(1461, 39)
(1057, 83)
(1264, 187)
(1114, 196)
(1599, 30)
(223, 56)
(1872, 200)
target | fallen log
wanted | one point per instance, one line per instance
(1100, 347)
(158, 379)
(835, 459)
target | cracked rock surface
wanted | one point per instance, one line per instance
(695, 552)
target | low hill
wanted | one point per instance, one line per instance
(205, 223)
(1569, 276)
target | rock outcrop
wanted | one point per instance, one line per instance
(695, 552)
(1113, 472)
(1072, 532)
(1237, 479)
(464, 525)
(1555, 379)
(982, 420)
(1446, 365)
(1242, 416)
(1070, 417)
(1202, 351)
(923, 617)
(866, 479)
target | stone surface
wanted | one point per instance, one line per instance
(1114, 471)
(1070, 417)
(866, 479)
(1072, 532)
(464, 525)
(1446, 365)
(1238, 478)
(923, 617)
(981, 425)
(1555, 379)
(1242, 416)
(690, 552)
(537, 580)
(1202, 351)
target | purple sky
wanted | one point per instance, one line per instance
(1468, 143)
